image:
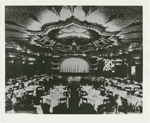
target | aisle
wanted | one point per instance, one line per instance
(74, 100)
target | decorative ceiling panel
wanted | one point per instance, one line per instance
(44, 29)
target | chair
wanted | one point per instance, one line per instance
(25, 109)
(124, 107)
(15, 87)
(140, 94)
(140, 109)
(56, 110)
(66, 94)
(63, 100)
(65, 88)
(136, 89)
(83, 93)
(30, 93)
(45, 108)
(112, 84)
(84, 100)
(109, 93)
(22, 85)
(39, 91)
(108, 106)
(8, 105)
(118, 87)
(103, 90)
(29, 96)
(106, 101)
(128, 89)
(38, 100)
(41, 82)
(101, 109)
(41, 100)
(60, 109)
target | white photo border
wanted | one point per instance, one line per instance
(144, 117)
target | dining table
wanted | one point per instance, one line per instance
(52, 100)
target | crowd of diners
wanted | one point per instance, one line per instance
(97, 95)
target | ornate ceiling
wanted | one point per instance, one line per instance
(47, 29)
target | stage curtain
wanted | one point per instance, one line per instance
(74, 65)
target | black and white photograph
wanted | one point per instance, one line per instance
(74, 59)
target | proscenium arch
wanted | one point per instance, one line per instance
(74, 65)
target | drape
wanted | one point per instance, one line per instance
(74, 65)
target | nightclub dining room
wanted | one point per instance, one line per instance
(73, 60)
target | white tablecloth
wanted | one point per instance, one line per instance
(136, 101)
(38, 109)
(52, 100)
(94, 100)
